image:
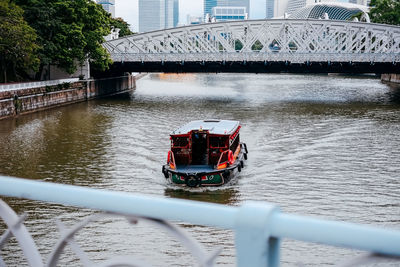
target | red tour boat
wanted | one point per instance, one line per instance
(205, 153)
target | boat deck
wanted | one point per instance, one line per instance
(195, 168)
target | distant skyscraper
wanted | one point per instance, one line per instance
(270, 7)
(158, 14)
(169, 14)
(360, 2)
(294, 5)
(176, 12)
(276, 8)
(108, 5)
(209, 4)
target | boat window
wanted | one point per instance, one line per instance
(218, 142)
(181, 142)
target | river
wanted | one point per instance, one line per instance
(324, 146)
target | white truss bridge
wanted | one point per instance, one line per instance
(262, 41)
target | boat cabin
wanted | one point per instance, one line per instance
(205, 142)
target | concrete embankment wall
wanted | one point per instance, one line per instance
(24, 101)
(392, 78)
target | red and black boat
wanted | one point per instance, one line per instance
(205, 153)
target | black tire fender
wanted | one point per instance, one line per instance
(245, 148)
(165, 172)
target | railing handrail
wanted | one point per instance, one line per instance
(24, 85)
(220, 157)
(171, 158)
(254, 223)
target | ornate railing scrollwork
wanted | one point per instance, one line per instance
(16, 228)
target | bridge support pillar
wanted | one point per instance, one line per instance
(254, 244)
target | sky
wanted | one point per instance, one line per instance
(128, 10)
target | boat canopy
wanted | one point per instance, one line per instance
(217, 127)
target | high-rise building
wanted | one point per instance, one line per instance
(360, 2)
(169, 14)
(276, 8)
(270, 7)
(225, 13)
(209, 4)
(294, 5)
(158, 14)
(176, 12)
(151, 15)
(108, 5)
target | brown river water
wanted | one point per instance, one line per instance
(319, 145)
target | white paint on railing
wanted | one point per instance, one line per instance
(258, 226)
(18, 86)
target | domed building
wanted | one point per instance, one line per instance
(333, 11)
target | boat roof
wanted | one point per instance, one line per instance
(222, 127)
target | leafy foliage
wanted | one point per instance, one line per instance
(17, 42)
(385, 11)
(70, 31)
(122, 25)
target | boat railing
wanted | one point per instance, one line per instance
(259, 227)
(171, 159)
(223, 160)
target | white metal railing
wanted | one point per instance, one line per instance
(18, 86)
(258, 226)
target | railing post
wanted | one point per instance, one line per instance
(254, 244)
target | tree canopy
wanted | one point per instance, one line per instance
(385, 11)
(17, 42)
(122, 25)
(70, 31)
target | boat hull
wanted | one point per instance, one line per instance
(199, 176)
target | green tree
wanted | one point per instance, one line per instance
(17, 42)
(122, 25)
(385, 11)
(70, 31)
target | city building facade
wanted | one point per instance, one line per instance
(158, 14)
(276, 8)
(210, 4)
(283, 8)
(194, 20)
(332, 10)
(360, 2)
(108, 5)
(225, 13)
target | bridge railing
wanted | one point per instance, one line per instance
(258, 226)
